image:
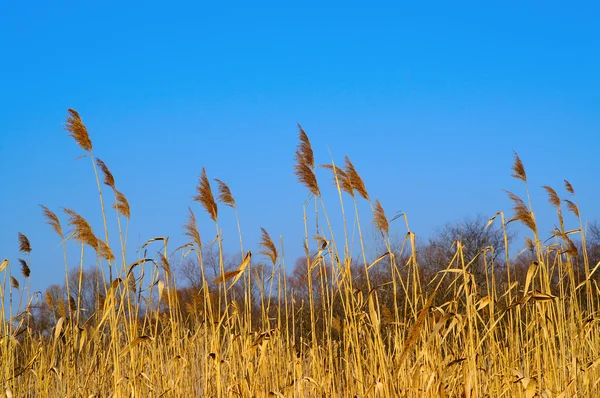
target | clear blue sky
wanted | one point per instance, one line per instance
(429, 100)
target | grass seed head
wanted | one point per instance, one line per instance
(521, 211)
(225, 195)
(104, 251)
(122, 204)
(569, 187)
(357, 183)
(52, 220)
(108, 177)
(519, 169)
(78, 131)
(268, 246)
(552, 196)
(24, 245)
(14, 282)
(340, 177)
(191, 229)
(305, 164)
(25, 270)
(82, 231)
(572, 207)
(379, 218)
(205, 196)
(49, 300)
(72, 304)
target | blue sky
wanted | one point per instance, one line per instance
(428, 99)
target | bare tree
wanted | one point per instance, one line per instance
(476, 241)
(593, 243)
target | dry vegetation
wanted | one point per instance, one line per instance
(482, 324)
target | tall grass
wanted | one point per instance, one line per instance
(247, 333)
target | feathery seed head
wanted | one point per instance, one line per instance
(82, 231)
(522, 213)
(569, 187)
(519, 169)
(379, 218)
(305, 164)
(191, 229)
(25, 271)
(52, 220)
(78, 131)
(225, 195)
(104, 250)
(268, 246)
(572, 207)
(122, 205)
(570, 248)
(164, 264)
(355, 180)
(108, 177)
(14, 283)
(340, 177)
(49, 300)
(205, 196)
(72, 304)
(24, 246)
(304, 150)
(552, 196)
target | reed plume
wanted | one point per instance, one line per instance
(131, 283)
(357, 183)
(552, 196)
(14, 282)
(521, 211)
(571, 248)
(122, 205)
(24, 245)
(78, 131)
(25, 270)
(268, 246)
(82, 231)
(322, 243)
(519, 169)
(72, 304)
(379, 218)
(224, 194)
(164, 264)
(569, 187)
(52, 220)
(305, 164)
(340, 177)
(104, 250)
(191, 229)
(572, 207)
(529, 244)
(49, 300)
(205, 196)
(108, 177)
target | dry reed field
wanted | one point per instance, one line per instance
(498, 322)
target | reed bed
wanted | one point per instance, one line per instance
(362, 327)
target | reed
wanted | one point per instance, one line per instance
(343, 324)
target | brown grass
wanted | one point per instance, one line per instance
(205, 196)
(524, 324)
(78, 131)
(225, 195)
(519, 169)
(24, 245)
(379, 218)
(305, 164)
(268, 246)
